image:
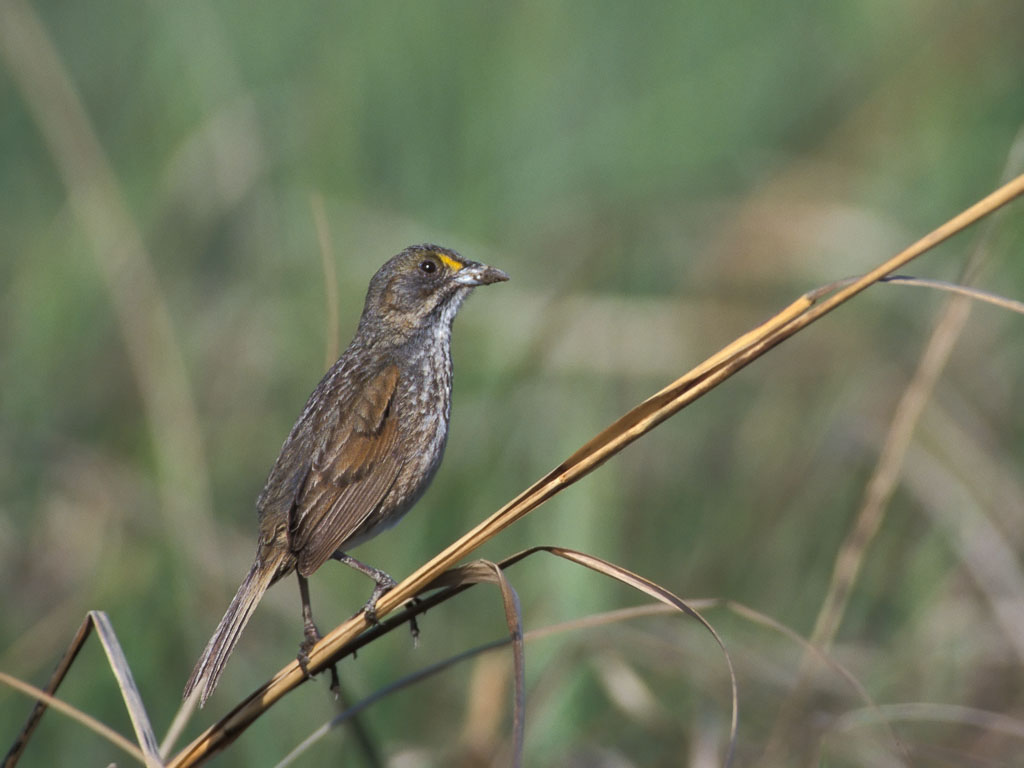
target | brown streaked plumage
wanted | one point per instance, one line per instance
(367, 444)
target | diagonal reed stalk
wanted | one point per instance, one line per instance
(610, 441)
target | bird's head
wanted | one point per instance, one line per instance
(421, 289)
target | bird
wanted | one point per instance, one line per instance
(366, 446)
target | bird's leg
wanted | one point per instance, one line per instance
(384, 583)
(309, 630)
(312, 636)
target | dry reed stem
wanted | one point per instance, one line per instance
(889, 466)
(888, 469)
(323, 236)
(631, 426)
(123, 262)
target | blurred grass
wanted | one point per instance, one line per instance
(656, 181)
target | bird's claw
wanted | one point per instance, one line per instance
(312, 637)
(384, 585)
(303, 659)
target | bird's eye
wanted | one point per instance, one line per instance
(428, 266)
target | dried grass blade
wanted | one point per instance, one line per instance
(995, 722)
(487, 571)
(323, 237)
(129, 691)
(98, 620)
(662, 595)
(963, 290)
(74, 713)
(821, 655)
(21, 741)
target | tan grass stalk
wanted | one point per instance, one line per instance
(886, 474)
(323, 236)
(120, 254)
(74, 713)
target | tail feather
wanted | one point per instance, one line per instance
(208, 669)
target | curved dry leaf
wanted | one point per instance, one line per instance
(662, 595)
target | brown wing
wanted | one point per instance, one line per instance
(351, 472)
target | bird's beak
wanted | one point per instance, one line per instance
(478, 274)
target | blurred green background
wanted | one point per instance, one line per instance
(656, 179)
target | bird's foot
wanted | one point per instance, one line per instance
(312, 637)
(383, 581)
(384, 585)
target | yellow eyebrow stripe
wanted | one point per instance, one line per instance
(451, 263)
